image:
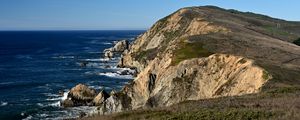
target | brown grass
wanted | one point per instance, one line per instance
(281, 103)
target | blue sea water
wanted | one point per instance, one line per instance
(36, 65)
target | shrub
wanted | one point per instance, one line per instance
(297, 42)
(189, 50)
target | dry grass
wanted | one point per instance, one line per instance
(282, 103)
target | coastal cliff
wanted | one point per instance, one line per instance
(199, 53)
(208, 52)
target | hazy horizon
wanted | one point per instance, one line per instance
(36, 15)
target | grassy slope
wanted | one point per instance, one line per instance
(282, 103)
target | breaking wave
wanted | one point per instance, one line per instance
(116, 75)
(3, 103)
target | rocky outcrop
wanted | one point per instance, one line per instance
(199, 78)
(115, 103)
(80, 95)
(108, 54)
(201, 53)
(120, 46)
(100, 98)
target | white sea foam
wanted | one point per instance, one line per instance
(65, 96)
(43, 115)
(56, 104)
(28, 118)
(57, 99)
(96, 87)
(116, 75)
(89, 72)
(51, 95)
(6, 83)
(130, 71)
(40, 104)
(63, 57)
(99, 60)
(53, 99)
(106, 43)
(4, 103)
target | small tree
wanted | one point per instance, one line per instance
(297, 42)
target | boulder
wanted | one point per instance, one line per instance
(100, 98)
(82, 92)
(67, 103)
(80, 95)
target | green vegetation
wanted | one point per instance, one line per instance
(297, 42)
(242, 61)
(187, 50)
(284, 90)
(265, 75)
(146, 55)
(226, 114)
(275, 31)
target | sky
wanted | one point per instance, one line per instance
(120, 14)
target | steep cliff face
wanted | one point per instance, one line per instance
(160, 84)
(208, 52)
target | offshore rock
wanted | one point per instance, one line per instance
(80, 95)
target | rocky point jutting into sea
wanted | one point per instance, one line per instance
(200, 53)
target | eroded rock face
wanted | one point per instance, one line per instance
(121, 46)
(201, 78)
(117, 102)
(80, 95)
(162, 84)
(100, 98)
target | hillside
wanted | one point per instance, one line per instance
(209, 55)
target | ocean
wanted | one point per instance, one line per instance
(36, 65)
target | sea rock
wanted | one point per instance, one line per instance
(121, 46)
(100, 98)
(80, 95)
(67, 103)
(83, 64)
(108, 54)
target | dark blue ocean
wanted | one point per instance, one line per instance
(36, 65)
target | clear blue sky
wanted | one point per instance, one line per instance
(120, 14)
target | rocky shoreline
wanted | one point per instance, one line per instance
(83, 95)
